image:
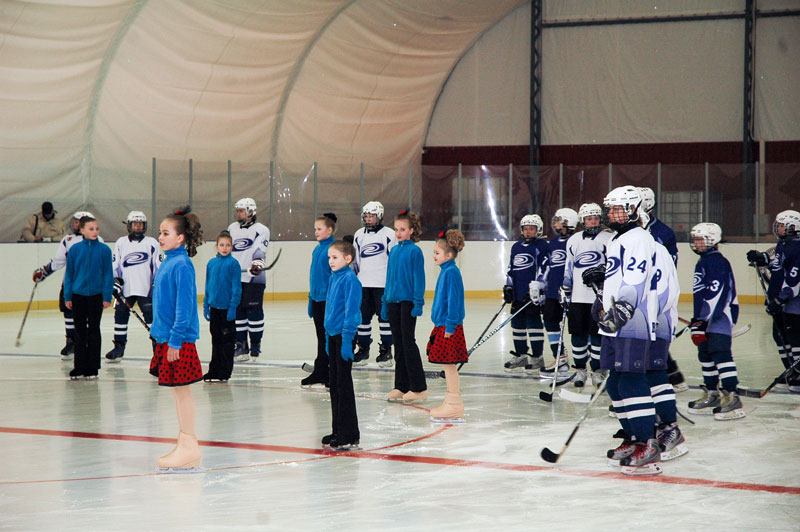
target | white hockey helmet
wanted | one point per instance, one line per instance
(711, 234)
(648, 199)
(136, 216)
(77, 218)
(372, 207)
(249, 206)
(629, 198)
(568, 217)
(791, 222)
(590, 209)
(534, 220)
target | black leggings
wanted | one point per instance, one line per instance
(408, 373)
(87, 311)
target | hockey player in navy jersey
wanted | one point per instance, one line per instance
(56, 263)
(787, 300)
(549, 280)
(372, 243)
(716, 310)
(626, 315)
(136, 259)
(527, 256)
(250, 241)
(585, 249)
(774, 264)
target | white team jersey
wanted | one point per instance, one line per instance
(372, 255)
(583, 252)
(249, 243)
(60, 258)
(669, 291)
(137, 263)
(630, 266)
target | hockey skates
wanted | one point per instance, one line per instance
(730, 407)
(644, 460)
(671, 442)
(706, 404)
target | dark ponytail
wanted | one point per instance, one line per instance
(187, 224)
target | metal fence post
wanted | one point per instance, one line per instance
(459, 197)
(230, 193)
(707, 202)
(153, 199)
(315, 190)
(510, 199)
(757, 220)
(410, 186)
(658, 190)
(191, 180)
(610, 181)
(560, 185)
(362, 185)
(271, 193)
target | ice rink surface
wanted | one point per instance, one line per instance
(80, 455)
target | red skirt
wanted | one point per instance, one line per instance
(451, 350)
(185, 370)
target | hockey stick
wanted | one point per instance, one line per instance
(271, 264)
(758, 394)
(544, 396)
(25, 317)
(548, 455)
(121, 299)
(480, 336)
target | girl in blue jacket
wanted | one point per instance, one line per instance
(175, 330)
(342, 318)
(447, 344)
(402, 301)
(222, 296)
(318, 278)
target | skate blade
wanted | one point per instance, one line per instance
(388, 364)
(680, 388)
(66, 359)
(676, 452)
(649, 469)
(728, 416)
(346, 448)
(179, 470)
(613, 464)
(316, 384)
(701, 412)
(449, 420)
(514, 370)
(114, 360)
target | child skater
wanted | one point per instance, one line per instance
(175, 329)
(716, 310)
(88, 283)
(318, 279)
(342, 318)
(221, 299)
(402, 303)
(447, 344)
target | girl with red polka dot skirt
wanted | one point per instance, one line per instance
(175, 329)
(447, 344)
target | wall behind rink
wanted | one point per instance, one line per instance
(483, 266)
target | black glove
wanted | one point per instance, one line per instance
(775, 306)
(119, 282)
(595, 275)
(757, 258)
(597, 309)
(508, 294)
(617, 316)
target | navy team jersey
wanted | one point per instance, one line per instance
(665, 236)
(552, 269)
(714, 290)
(791, 275)
(523, 266)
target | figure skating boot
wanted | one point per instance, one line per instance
(412, 397)
(185, 458)
(450, 411)
(394, 396)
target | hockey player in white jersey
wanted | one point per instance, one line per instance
(135, 261)
(56, 263)
(626, 316)
(250, 241)
(585, 249)
(372, 243)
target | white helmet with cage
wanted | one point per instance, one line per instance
(77, 218)
(534, 220)
(711, 234)
(627, 197)
(791, 223)
(568, 217)
(374, 208)
(249, 206)
(648, 199)
(136, 216)
(590, 209)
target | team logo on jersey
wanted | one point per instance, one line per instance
(558, 258)
(697, 282)
(241, 244)
(612, 265)
(588, 259)
(370, 250)
(137, 257)
(523, 261)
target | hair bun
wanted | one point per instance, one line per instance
(183, 211)
(348, 238)
(330, 215)
(441, 234)
(403, 212)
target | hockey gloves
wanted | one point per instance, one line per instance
(565, 296)
(40, 274)
(206, 312)
(595, 277)
(617, 316)
(257, 266)
(536, 292)
(698, 328)
(508, 294)
(347, 349)
(775, 306)
(119, 282)
(757, 258)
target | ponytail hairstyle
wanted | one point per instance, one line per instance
(414, 223)
(451, 241)
(224, 234)
(329, 219)
(187, 224)
(346, 248)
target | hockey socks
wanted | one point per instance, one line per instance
(663, 396)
